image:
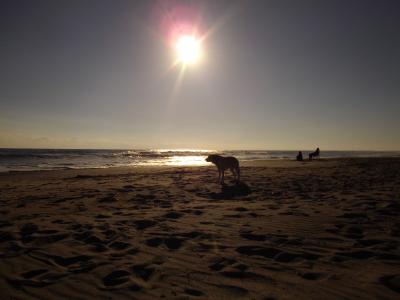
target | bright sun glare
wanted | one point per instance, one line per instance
(188, 49)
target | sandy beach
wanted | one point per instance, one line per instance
(326, 229)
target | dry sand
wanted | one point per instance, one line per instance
(327, 229)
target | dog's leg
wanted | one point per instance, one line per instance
(233, 173)
(238, 174)
(222, 181)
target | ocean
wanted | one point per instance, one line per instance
(55, 159)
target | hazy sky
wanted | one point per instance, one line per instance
(276, 74)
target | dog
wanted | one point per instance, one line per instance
(313, 154)
(224, 163)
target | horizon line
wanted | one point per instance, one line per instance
(195, 149)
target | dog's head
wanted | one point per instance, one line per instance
(211, 158)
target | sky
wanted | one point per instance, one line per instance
(274, 74)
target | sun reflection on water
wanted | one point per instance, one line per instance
(183, 150)
(186, 161)
(190, 160)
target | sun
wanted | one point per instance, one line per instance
(188, 49)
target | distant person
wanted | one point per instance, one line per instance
(299, 156)
(314, 154)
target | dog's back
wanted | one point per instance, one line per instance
(222, 162)
(230, 162)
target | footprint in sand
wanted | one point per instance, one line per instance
(88, 237)
(354, 232)
(144, 271)
(108, 199)
(154, 242)
(5, 223)
(392, 282)
(173, 215)
(267, 252)
(311, 276)
(253, 237)
(116, 278)
(193, 292)
(196, 212)
(119, 245)
(220, 263)
(241, 209)
(143, 224)
(241, 274)
(6, 236)
(172, 243)
(28, 229)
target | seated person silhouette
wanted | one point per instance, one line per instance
(299, 156)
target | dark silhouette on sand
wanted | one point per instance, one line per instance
(224, 163)
(314, 154)
(299, 156)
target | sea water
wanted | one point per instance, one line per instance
(53, 159)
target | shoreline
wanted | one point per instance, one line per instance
(273, 163)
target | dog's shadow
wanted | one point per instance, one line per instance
(238, 189)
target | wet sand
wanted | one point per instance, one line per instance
(327, 229)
